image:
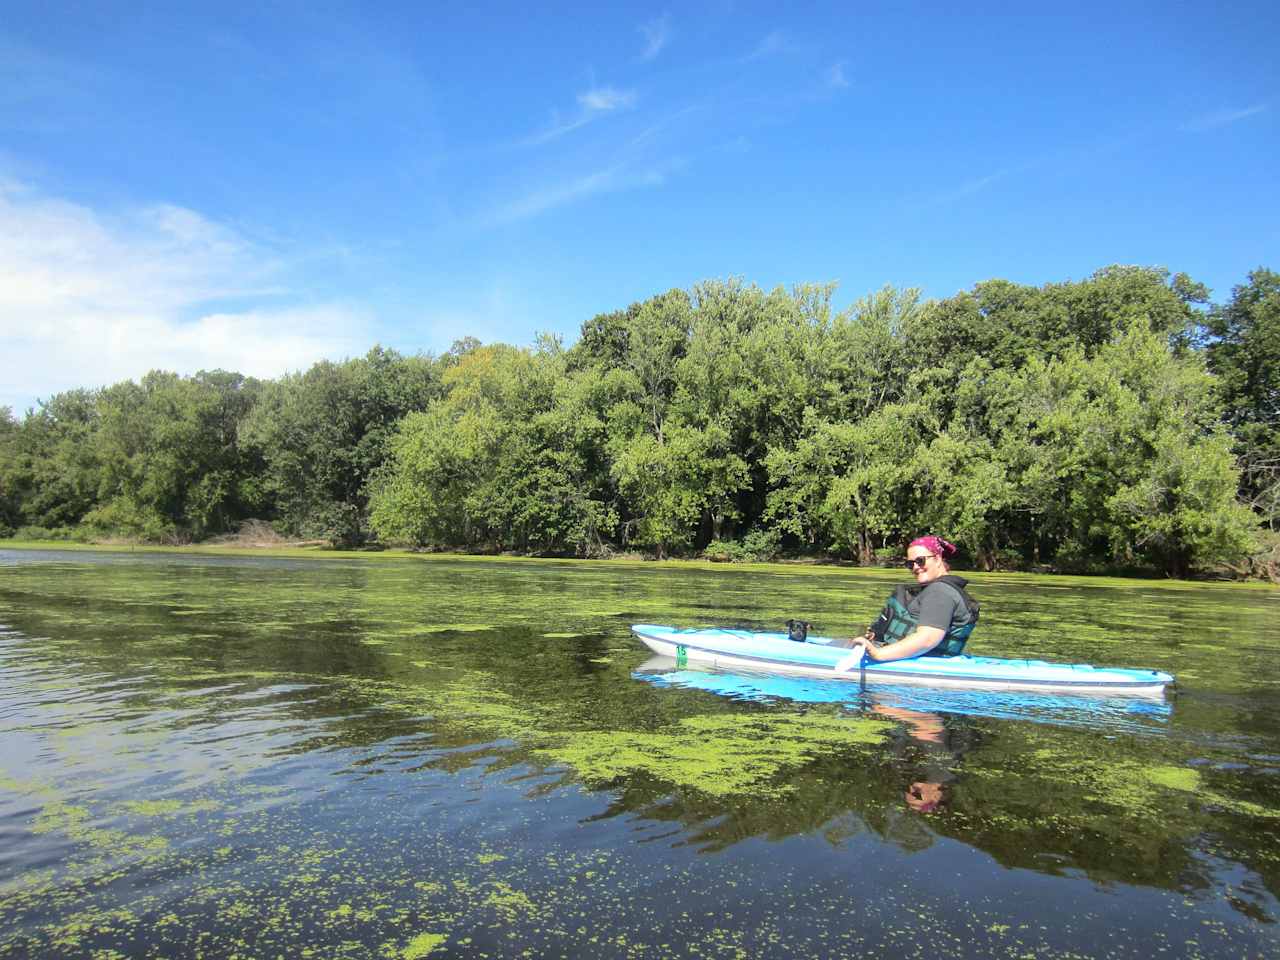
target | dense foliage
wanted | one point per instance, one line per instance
(1243, 351)
(1116, 422)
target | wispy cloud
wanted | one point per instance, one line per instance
(656, 35)
(557, 195)
(963, 190)
(592, 105)
(835, 76)
(774, 44)
(977, 184)
(609, 180)
(663, 124)
(88, 298)
(639, 157)
(1221, 118)
(604, 99)
(40, 93)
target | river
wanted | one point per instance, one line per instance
(245, 756)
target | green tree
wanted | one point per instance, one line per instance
(668, 482)
(507, 459)
(650, 453)
(847, 485)
(1243, 351)
(868, 502)
(1010, 324)
(9, 498)
(49, 470)
(170, 462)
(420, 496)
(1069, 423)
(714, 394)
(1131, 465)
(574, 434)
(959, 485)
(323, 435)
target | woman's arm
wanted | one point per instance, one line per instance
(918, 641)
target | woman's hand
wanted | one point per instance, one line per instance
(867, 643)
(918, 641)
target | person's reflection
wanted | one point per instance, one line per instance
(928, 730)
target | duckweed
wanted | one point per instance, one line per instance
(418, 757)
(423, 944)
(718, 755)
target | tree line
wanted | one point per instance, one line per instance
(1119, 422)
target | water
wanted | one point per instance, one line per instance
(237, 756)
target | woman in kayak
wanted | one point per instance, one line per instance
(932, 617)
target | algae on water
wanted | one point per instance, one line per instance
(429, 757)
(719, 755)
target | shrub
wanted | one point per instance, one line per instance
(758, 546)
(339, 523)
(762, 544)
(1072, 557)
(886, 556)
(723, 551)
(1265, 561)
(31, 532)
(1007, 559)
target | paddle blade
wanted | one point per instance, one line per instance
(852, 662)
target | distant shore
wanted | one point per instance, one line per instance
(794, 567)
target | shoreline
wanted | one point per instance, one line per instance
(789, 568)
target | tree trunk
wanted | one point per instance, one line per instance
(1177, 563)
(865, 554)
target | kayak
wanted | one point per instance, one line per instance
(777, 653)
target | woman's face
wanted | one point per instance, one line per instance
(925, 566)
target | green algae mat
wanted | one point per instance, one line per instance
(240, 756)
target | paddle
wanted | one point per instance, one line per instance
(858, 658)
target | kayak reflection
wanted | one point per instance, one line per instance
(928, 748)
(1113, 713)
(935, 735)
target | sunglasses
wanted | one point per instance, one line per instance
(919, 562)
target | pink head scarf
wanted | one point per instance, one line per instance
(935, 545)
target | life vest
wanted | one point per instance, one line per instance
(896, 619)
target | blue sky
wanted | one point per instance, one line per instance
(258, 186)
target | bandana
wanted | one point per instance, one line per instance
(934, 545)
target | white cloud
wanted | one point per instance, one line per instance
(836, 77)
(1222, 118)
(88, 299)
(656, 35)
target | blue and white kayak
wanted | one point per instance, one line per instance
(777, 653)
